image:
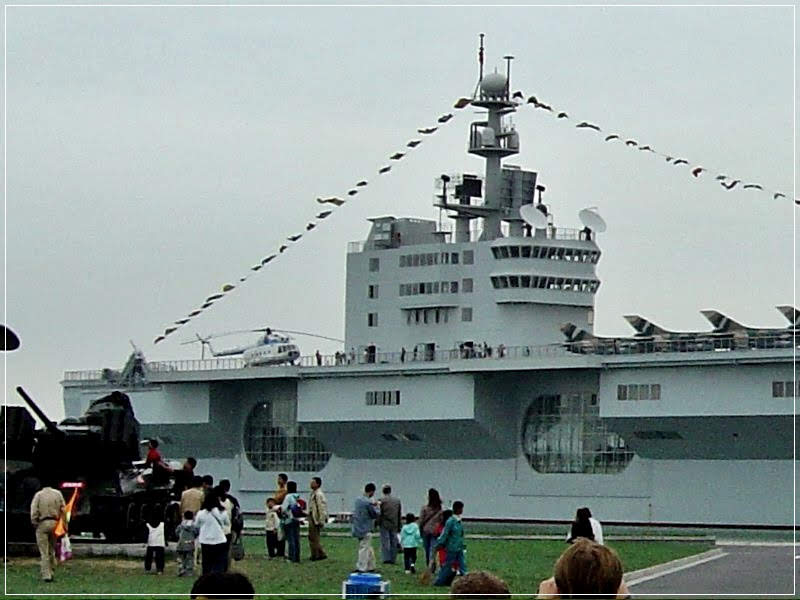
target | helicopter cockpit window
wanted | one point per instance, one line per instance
(274, 441)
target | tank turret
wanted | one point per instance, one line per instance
(99, 449)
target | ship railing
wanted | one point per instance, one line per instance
(615, 346)
(421, 355)
(93, 375)
(208, 364)
(699, 343)
(563, 233)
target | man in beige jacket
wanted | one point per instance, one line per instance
(46, 508)
(317, 517)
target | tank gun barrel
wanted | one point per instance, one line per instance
(49, 425)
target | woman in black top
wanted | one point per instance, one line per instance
(581, 526)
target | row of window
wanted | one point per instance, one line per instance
(435, 287)
(383, 398)
(547, 252)
(429, 259)
(545, 283)
(428, 316)
(639, 391)
(785, 389)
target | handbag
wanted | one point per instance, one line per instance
(237, 548)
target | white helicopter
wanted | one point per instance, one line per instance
(272, 348)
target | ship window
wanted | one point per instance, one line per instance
(372, 291)
(536, 251)
(436, 313)
(466, 314)
(469, 257)
(777, 389)
(622, 392)
(526, 252)
(496, 252)
(372, 319)
(415, 260)
(425, 316)
(590, 316)
(495, 282)
(445, 258)
(435, 287)
(453, 287)
(564, 434)
(273, 440)
(374, 264)
(409, 317)
(525, 281)
(466, 285)
(383, 398)
(513, 281)
(655, 391)
(789, 389)
(416, 316)
(402, 260)
(454, 258)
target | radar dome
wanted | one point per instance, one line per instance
(494, 84)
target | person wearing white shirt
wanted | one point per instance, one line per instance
(211, 521)
(155, 546)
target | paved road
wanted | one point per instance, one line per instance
(744, 570)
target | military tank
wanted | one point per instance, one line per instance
(98, 454)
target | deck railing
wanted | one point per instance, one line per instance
(611, 346)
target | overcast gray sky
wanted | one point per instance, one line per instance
(155, 153)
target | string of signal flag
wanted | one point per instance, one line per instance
(334, 201)
(726, 181)
(696, 170)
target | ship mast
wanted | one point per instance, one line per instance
(493, 140)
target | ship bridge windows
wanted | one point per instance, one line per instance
(546, 252)
(274, 441)
(547, 283)
(564, 434)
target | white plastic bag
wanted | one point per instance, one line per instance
(65, 550)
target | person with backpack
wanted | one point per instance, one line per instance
(292, 510)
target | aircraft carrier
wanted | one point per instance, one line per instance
(470, 365)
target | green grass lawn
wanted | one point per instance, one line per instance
(521, 563)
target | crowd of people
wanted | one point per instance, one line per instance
(210, 532)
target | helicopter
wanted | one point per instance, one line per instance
(271, 348)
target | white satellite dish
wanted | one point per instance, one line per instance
(592, 220)
(533, 216)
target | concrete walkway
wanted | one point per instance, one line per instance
(737, 569)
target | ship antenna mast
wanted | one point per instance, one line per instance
(480, 68)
